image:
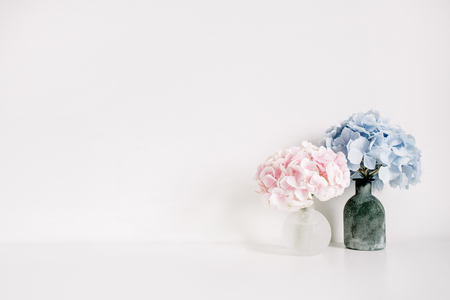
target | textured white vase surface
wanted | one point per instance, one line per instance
(306, 232)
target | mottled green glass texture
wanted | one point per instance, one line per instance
(364, 219)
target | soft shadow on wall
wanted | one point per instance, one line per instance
(227, 210)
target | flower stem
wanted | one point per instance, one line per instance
(366, 173)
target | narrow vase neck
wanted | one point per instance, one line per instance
(309, 208)
(363, 186)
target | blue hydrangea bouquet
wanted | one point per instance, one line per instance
(376, 150)
(378, 153)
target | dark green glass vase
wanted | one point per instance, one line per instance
(364, 219)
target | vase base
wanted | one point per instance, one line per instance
(364, 247)
(375, 249)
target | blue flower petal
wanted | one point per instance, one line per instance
(383, 174)
(369, 162)
(355, 156)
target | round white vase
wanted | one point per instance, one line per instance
(306, 232)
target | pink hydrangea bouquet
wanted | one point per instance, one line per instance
(289, 179)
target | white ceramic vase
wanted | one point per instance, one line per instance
(306, 232)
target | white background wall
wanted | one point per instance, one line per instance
(145, 120)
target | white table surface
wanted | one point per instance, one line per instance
(419, 270)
